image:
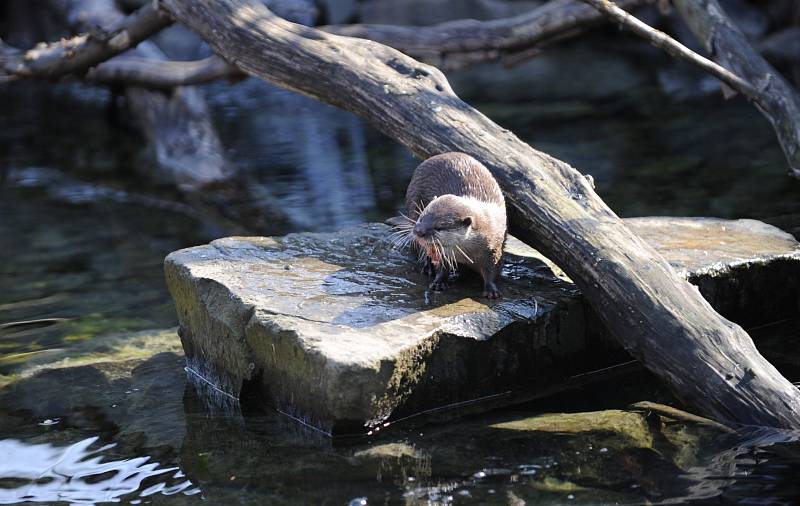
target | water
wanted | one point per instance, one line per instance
(95, 404)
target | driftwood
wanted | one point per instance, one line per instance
(452, 45)
(79, 53)
(152, 73)
(777, 100)
(177, 124)
(709, 362)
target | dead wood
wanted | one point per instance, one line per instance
(662, 320)
(79, 53)
(165, 74)
(452, 45)
(672, 47)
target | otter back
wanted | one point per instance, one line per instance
(450, 173)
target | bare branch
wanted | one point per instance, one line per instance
(749, 73)
(463, 42)
(151, 73)
(78, 54)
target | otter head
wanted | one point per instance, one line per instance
(443, 227)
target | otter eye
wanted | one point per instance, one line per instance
(467, 221)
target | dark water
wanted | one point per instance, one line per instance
(91, 412)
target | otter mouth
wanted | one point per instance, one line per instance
(430, 250)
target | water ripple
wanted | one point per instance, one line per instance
(77, 474)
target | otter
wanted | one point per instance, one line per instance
(455, 214)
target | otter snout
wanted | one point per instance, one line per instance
(421, 230)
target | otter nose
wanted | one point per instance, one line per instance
(421, 230)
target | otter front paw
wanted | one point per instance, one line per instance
(491, 291)
(429, 269)
(438, 285)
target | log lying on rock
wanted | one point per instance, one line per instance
(335, 328)
(660, 318)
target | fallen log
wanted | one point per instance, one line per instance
(707, 361)
(777, 100)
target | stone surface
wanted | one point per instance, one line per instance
(339, 330)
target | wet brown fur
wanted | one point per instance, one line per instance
(445, 192)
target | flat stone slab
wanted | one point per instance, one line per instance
(340, 331)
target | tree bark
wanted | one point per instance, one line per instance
(777, 100)
(661, 319)
(79, 53)
(163, 74)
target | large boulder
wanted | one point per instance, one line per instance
(340, 331)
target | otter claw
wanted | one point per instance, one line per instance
(438, 286)
(491, 292)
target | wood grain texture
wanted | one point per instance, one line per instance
(661, 319)
(78, 54)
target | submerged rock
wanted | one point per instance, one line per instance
(340, 331)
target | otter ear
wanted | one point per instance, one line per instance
(467, 221)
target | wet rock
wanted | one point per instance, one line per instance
(339, 330)
(748, 270)
(139, 400)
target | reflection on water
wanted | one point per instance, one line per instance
(78, 474)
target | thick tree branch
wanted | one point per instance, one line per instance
(661, 319)
(78, 54)
(451, 45)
